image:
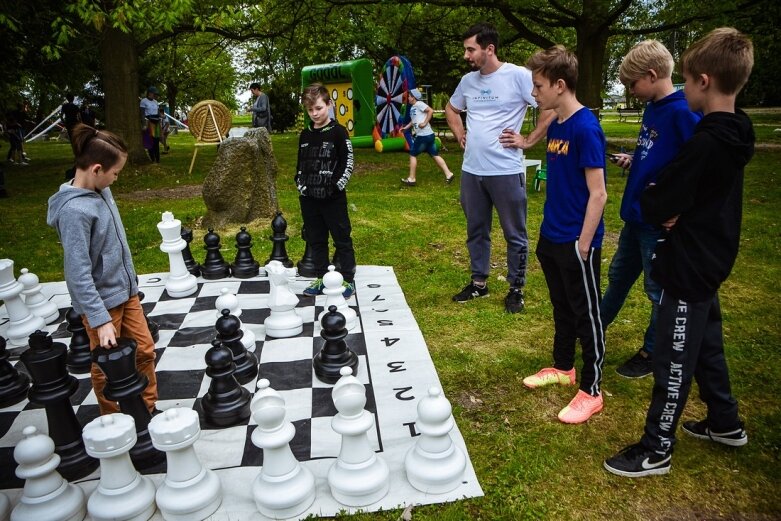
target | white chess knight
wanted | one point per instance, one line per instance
(22, 322)
(284, 488)
(181, 282)
(334, 292)
(283, 321)
(190, 491)
(229, 301)
(34, 299)
(435, 465)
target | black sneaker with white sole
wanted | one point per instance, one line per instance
(640, 365)
(471, 291)
(513, 302)
(736, 437)
(635, 461)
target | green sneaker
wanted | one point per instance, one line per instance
(315, 288)
(349, 289)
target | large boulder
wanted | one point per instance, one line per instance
(242, 184)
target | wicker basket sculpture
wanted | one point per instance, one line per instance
(209, 121)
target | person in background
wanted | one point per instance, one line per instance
(424, 141)
(261, 108)
(150, 121)
(165, 130)
(69, 113)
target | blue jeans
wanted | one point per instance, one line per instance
(636, 246)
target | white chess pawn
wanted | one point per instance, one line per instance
(22, 322)
(190, 491)
(284, 488)
(334, 292)
(435, 465)
(5, 507)
(34, 299)
(181, 282)
(122, 493)
(358, 477)
(229, 301)
(46, 494)
(283, 321)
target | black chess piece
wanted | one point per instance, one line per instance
(229, 333)
(79, 359)
(193, 267)
(13, 384)
(335, 354)
(52, 388)
(279, 238)
(306, 266)
(214, 266)
(124, 384)
(154, 327)
(226, 402)
(335, 261)
(245, 266)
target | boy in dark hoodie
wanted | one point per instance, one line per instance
(99, 270)
(698, 200)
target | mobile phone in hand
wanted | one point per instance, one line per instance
(612, 157)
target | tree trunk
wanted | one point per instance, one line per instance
(592, 45)
(119, 66)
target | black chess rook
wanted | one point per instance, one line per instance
(226, 402)
(335, 354)
(244, 266)
(214, 266)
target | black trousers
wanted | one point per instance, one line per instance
(573, 285)
(689, 343)
(324, 216)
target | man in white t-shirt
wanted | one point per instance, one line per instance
(425, 140)
(495, 96)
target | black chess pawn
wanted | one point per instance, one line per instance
(193, 267)
(79, 358)
(13, 384)
(306, 266)
(52, 388)
(154, 327)
(245, 266)
(124, 384)
(279, 238)
(214, 266)
(226, 402)
(229, 333)
(335, 354)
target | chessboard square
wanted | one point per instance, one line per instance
(328, 441)
(253, 287)
(211, 446)
(59, 330)
(214, 288)
(168, 320)
(13, 434)
(173, 385)
(87, 413)
(152, 294)
(165, 297)
(254, 316)
(8, 477)
(159, 351)
(252, 456)
(284, 376)
(191, 336)
(90, 399)
(84, 388)
(301, 444)
(286, 349)
(165, 336)
(176, 306)
(308, 314)
(298, 403)
(200, 318)
(252, 302)
(187, 358)
(186, 403)
(305, 300)
(207, 303)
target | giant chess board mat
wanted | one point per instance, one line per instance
(395, 367)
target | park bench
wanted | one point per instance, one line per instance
(624, 114)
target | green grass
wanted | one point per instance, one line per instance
(530, 465)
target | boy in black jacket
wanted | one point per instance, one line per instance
(697, 199)
(325, 164)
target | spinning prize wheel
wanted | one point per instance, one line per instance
(209, 122)
(396, 78)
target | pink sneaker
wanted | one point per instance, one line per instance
(581, 408)
(550, 376)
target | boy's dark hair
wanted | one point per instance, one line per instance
(486, 35)
(69, 97)
(314, 92)
(254, 85)
(725, 54)
(92, 146)
(556, 63)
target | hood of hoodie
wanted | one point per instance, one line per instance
(67, 192)
(734, 131)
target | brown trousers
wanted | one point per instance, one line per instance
(130, 322)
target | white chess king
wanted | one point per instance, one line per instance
(181, 282)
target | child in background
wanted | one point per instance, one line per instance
(420, 116)
(99, 269)
(165, 129)
(325, 164)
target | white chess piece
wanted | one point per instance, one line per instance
(34, 299)
(334, 292)
(22, 322)
(190, 491)
(283, 321)
(284, 488)
(122, 493)
(46, 494)
(358, 477)
(181, 282)
(5, 507)
(435, 465)
(229, 301)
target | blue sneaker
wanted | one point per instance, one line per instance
(349, 289)
(315, 288)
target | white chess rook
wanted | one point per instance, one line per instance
(46, 494)
(435, 465)
(34, 299)
(181, 282)
(284, 488)
(230, 301)
(283, 321)
(358, 477)
(22, 322)
(122, 493)
(190, 491)
(334, 292)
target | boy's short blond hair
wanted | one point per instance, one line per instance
(725, 54)
(644, 56)
(313, 93)
(556, 63)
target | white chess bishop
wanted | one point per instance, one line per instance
(435, 465)
(181, 282)
(22, 323)
(284, 488)
(229, 301)
(334, 292)
(34, 299)
(190, 491)
(283, 321)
